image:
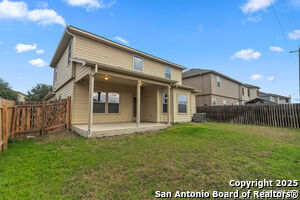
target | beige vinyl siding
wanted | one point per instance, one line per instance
(81, 71)
(176, 74)
(149, 104)
(193, 104)
(80, 108)
(99, 52)
(65, 91)
(64, 71)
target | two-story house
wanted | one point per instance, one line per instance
(218, 89)
(275, 98)
(109, 82)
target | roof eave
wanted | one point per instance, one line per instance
(60, 48)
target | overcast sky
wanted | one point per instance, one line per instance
(248, 40)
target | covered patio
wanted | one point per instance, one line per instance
(117, 128)
(135, 108)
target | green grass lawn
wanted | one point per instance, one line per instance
(190, 157)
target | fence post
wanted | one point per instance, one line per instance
(43, 117)
(4, 127)
(13, 127)
(68, 112)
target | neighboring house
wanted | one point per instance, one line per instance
(21, 96)
(110, 82)
(218, 89)
(275, 98)
(259, 100)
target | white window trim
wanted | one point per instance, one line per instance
(181, 113)
(162, 102)
(142, 63)
(106, 103)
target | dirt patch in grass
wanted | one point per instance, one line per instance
(62, 135)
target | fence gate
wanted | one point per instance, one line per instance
(39, 118)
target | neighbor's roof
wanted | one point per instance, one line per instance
(20, 93)
(259, 100)
(67, 35)
(196, 72)
(263, 94)
(251, 86)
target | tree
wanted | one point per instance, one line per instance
(38, 92)
(6, 92)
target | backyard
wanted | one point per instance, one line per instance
(184, 157)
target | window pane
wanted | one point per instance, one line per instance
(113, 98)
(113, 108)
(181, 108)
(165, 108)
(99, 97)
(182, 99)
(137, 63)
(168, 76)
(167, 72)
(218, 81)
(99, 107)
(165, 102)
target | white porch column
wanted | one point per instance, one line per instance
(169, 105)
(91, 91)
(138, 103)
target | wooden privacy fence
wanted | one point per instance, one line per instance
(33, 118)
(278, 115)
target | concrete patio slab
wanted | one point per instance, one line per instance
(112, 129)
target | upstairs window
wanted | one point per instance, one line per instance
(182, 103)
(224, 102)
(165, 103)
(113, 102)
(218, 81)
(243, 92)
(167, 72)
(248, 93)
(69, 51)
(137, 63)
(99, 99)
